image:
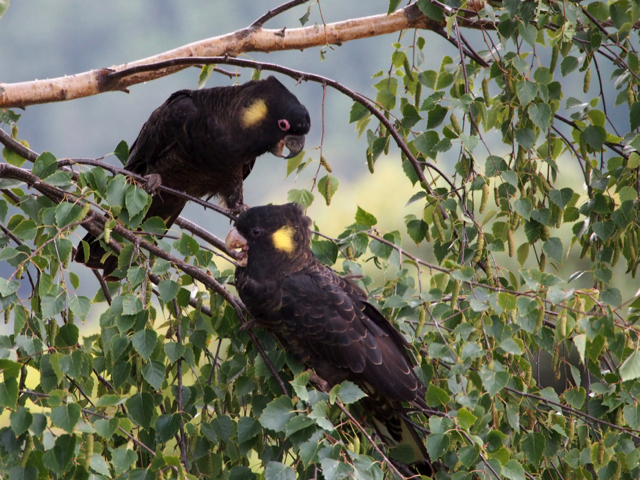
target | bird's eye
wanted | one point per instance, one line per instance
(284, 125)
(256, 232)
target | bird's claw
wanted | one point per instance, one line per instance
(154, 181)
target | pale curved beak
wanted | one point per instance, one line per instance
(295, 144)
(237, 243)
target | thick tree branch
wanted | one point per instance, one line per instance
(249, 39)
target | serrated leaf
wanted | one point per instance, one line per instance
(630, 369)
(66, 416)
(21, 420)
(365, 218)
(304, 197)
(122, 152)
(136, 200)
(277, 413)
(144, 342)
(167, 426)
(153, 373)
(140, 409)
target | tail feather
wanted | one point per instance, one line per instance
(395, 431)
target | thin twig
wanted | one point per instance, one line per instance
(276, 11)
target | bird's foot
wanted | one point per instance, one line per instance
(321, 384)
(238, 209)
(154, 181)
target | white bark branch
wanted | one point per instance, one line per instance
(246, 40)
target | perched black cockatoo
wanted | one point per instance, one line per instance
(325, 320)
(205, 143)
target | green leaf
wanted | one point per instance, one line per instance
(248, 428)
(561, 197)
(66, 416)
(604, 230)
(594, 136)
(106, 427)
(80, 306)
(553, 248)
(365, 218)
(631, 415)
(526, 91)
(493, 381)
(513, 470)
(393, 4)
(122, 459)
(304, 197)
(174, 351)
(205, 73)
(630, 369)
(494, 165)
(100, 465)
(348, 392)
(329, 192)
(358, 112)
(523, 207)
(540, 115)
(21, 420)
(8, 287)
(140, 408)
(18, 472)
(325, 251)
(436, 396)
(279, 471)
(168, 426)
(12, 158)
(144, 342)
(533, 447)
(437, 445)
(526, 137)
(168, 290)
(122, 152)
(153, 373)
(611, 296)
(575, 397)
(136, 200)
(294, 162)
(277, 413)
(568, 65)
(45, 165)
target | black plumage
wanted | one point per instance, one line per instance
(205, 143)
(323, 319)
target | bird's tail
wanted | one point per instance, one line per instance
(396, 431)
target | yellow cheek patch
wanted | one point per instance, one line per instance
(254, 113)
(283, 239)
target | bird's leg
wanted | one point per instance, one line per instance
(154, 181)
(320, 383)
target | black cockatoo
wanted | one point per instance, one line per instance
(325, 320)
(205, 143)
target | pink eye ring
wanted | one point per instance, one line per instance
(284, 125)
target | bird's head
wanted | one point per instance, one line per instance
(272, 237)
(274, 118)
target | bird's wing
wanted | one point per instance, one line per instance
(166, 128)
(341, 329)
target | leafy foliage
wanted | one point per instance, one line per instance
(517, 301)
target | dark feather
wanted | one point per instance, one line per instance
(326, 321)
(200, 142)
